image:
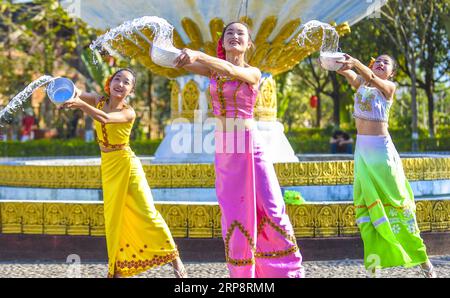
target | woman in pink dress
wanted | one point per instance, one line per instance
(259, 238)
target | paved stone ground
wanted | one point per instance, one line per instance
(317, 269)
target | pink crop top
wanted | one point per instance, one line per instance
(232, 98)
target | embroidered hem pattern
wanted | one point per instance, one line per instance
(258, 254)
(131, 268)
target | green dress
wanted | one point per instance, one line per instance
(385, 208)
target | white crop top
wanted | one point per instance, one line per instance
(371, 104)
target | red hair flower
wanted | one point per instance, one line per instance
(107, 85)
(220, 50)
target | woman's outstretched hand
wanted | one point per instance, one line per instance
(186, 57)
(74, 103)
(348, 63)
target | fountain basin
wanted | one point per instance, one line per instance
(57, 196)
(317, 177)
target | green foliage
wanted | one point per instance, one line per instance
(316, 146)
(369, 38)
(302, 141)
(315, 140)
(38, 37)
(147, 147)
(73, 147)
(98, 72)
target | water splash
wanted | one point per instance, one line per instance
(17, 102)
(312, 29)
(162, 48)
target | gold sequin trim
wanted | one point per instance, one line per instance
(271, 254)
(220, 82)
(131, 268)
(105, 143)
(278, 253)
(242, 262)
(266, 220)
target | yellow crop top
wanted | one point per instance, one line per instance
(112, 135)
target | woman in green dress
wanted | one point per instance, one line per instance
(384, 201)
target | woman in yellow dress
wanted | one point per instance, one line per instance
(137, 236)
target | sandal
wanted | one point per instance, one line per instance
(428, 272)
(182, 273)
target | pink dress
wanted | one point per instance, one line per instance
(258, 235)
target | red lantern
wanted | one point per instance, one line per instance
(313, 101)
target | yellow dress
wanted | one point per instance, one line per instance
(137, 236)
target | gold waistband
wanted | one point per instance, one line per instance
(112, 148)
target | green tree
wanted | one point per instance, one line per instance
(435, 61)
(317, 79)
(45, 37)
(407, 23)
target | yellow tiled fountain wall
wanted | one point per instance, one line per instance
(199, 220)
(202, 175)
(203, 220)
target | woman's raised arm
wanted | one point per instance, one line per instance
(202, 62)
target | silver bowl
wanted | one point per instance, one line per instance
(164, 57)
(60, 90)
(329, 60)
